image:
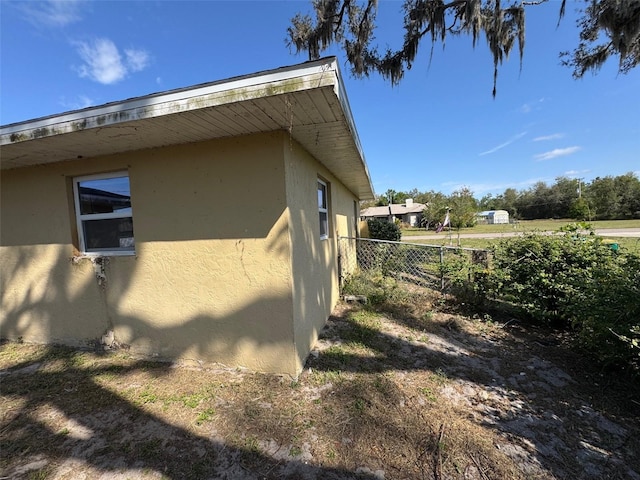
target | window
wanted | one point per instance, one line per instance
(103, 212)
(322, 210)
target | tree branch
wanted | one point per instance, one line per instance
(353, 22)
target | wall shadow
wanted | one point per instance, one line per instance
(175, 452)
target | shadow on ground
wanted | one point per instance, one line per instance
(380, 397)
(558, 416)
(114, 436)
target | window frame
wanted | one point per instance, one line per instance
(81, 218)
(324, 210)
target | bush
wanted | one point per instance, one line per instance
(381, 230)
(575, 282)
(606, 310)
(465, 275)
(538, 272)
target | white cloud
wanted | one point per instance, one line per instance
(502, 145)
(137, 60)
(558, 152)
(575, 173)
(529, 107)
(52, 13)
(544, 138)
(82, 101)
(104, 64)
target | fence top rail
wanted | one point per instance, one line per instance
(375, 240)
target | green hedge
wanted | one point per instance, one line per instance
(382, 230)
(575, 282)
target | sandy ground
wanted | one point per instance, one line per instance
(540, 404)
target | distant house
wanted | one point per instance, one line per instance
(408, 212)
(197, 224)
(493, 217)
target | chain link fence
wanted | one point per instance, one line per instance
(427, 265)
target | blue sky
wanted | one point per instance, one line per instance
(440, 129)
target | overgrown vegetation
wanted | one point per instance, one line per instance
(577, 282)
(379, 288)
(572, 281)
(382, 230)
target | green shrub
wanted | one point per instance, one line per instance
(539, 272)
(576, 282)
(381, 230)
(606, 311)
(465, 276)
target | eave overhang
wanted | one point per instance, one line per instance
(307, 100)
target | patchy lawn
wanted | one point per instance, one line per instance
(423, 393)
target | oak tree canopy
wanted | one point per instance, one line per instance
(608, 28)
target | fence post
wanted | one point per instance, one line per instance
(441, 268)
(340, 277)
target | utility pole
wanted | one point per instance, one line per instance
(579, 188)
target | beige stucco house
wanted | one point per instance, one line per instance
(197, 224)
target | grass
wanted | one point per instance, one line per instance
(40, 474)
(625, 243)
(529, 226)
(205, 416)
(397, 387)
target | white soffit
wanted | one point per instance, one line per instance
(308, 100)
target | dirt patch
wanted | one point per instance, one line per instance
(419, 393)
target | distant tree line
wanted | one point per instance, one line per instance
(603, 198)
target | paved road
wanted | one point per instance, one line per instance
(604, 232)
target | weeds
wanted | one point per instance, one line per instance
(322, 377)
(377, 287)
(440, 377)
(40, 474)
(147, 396)
(358, 406)
(192, 400)
(295, 451)
(205, 416)
(428, 393)
(252, 444)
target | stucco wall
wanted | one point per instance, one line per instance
(212, 276)
(315, 264)
(44, 297)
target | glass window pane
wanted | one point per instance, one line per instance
(324, 224)
(322, 195)
(110, 234)
(105, 195)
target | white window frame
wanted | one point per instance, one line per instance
(80, 218)
(325, 209)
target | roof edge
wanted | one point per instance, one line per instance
(346, 108)
(118, 108)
